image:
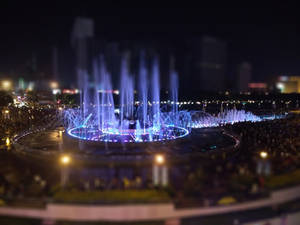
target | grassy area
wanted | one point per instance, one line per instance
(284, 180)
(112, 196)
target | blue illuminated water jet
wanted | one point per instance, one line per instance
(136, 118)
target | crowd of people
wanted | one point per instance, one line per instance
(243, 173)
(18, 177)
(279, 138)
(15, 120)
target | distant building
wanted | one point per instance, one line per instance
(83, 28)
(244, 74)
(288, 84)
(55, 70)
(82, 33)
(205, 64)
(212, 64)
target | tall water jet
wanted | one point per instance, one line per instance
(156, 94)
(86, 99)
(126, 94)
(221, 108)
(80, 84)
(174, 92)
(97, 78)
(145, 123)
(107, 106)
(143, 91)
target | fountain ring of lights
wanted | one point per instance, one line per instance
(126, 131)
(165, 133)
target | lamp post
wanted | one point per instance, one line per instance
(263, 155)
(160, 171)
(8, 144)
(61, 140)
(60, 111)
(263, 164)
(64, 160)
(6, 114)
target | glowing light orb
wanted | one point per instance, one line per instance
(65, 159)
(159, 159)
(263, 154)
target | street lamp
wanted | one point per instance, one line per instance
(160, 170)
(64, 160)
(263, 165)
(7, 142)
(159, 159)
(263, 155)
(6, 114)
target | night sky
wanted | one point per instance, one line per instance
(268, 37)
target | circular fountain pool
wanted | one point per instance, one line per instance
(199, 142)
(128, 135)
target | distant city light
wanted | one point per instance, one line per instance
(30, 86)
(6, 84)
(280, 86)
(257, 85)
(56, 91)
(283, 78)
(70, 91)
(53, 85)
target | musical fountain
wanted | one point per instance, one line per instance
(133, 122)
(136, 118)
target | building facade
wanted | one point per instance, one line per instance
(288, 84)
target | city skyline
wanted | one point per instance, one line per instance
(254, 35)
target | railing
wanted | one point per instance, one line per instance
(144, 212)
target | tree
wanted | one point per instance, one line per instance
(67, 99)
(5, 99)
(32, 97)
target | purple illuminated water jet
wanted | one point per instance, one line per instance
(135, 118)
